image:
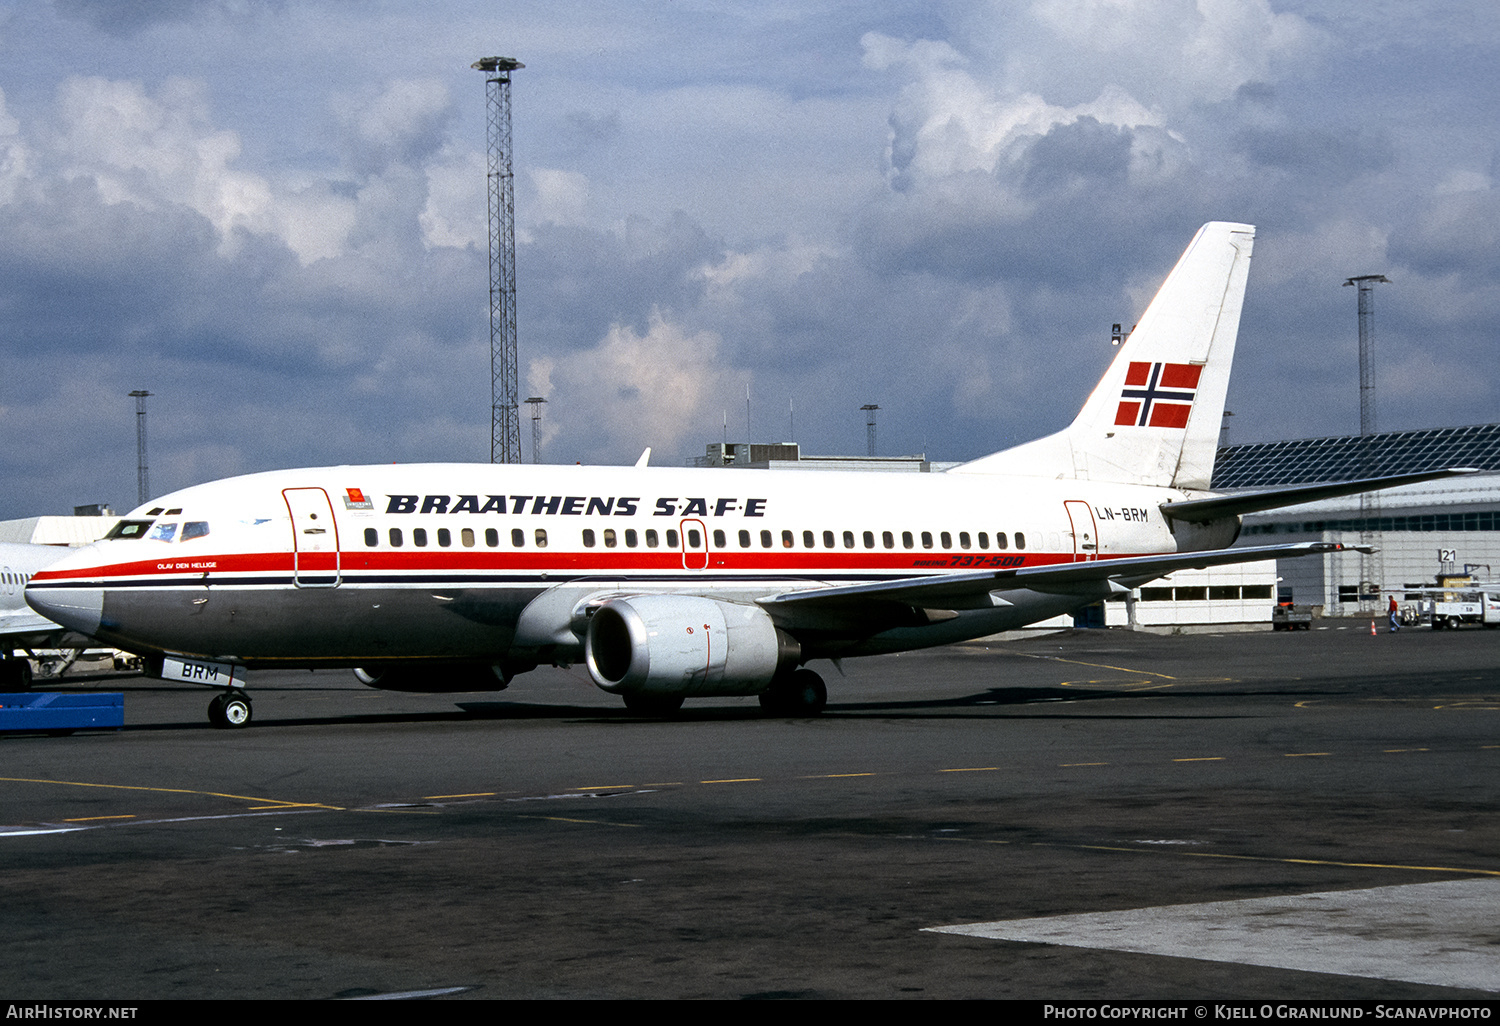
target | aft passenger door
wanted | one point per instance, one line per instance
(1085, 531)
(315, 538)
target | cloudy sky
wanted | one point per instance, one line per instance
(272, 216)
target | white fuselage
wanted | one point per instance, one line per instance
(359, 566)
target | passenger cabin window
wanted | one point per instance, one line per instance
(887, 539)
(984, 540)
(517, 538)
(588, 538)
(1020, 540)
(744, 539)
(963, 539)
(467, 537)
(718, 538)
(671, 538)
(946, 539)
(541, 537)
(372, 537)
(926, 539)
(765, 539)
(651, 539)
(492, 537)
(808, 540)
(395, 537)
(632, 539)
(848, 539)
(1000, 542)
(869, 539)
(786, 538)
(906, 541)
(419, 537)
(445, 537)
(609, 537)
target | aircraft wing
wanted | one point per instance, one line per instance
(28, 629)
(972, 590)
(1240, 503)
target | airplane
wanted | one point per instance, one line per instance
(671, 583)
(20, 626)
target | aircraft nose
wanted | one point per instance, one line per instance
(78, 609)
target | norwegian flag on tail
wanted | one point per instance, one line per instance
(1158, 394)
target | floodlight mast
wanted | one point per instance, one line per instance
(505, 416)
(536, 402)
(142, 475)
(1372, 565)
(869, 410)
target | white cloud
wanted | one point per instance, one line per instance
(160, 150)
(1179, 51)
(660, 387)
(947, 122)
(561, 196)
(14, 156)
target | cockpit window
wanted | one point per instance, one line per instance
(128, 529)
(163, 532)
(194, 529)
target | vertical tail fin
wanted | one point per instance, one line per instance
(1154, 417)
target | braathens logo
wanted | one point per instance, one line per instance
(355, 499)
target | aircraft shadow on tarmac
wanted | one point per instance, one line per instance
(996, 703)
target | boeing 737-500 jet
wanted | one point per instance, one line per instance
(676, 583)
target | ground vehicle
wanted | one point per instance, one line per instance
(1291, 618)
(1455, 607)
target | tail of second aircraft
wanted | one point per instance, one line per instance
(1154, 417)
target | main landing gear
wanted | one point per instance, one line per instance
(799, 693)
(15, 675)
(230, 709)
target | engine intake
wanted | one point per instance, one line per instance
(685, 646)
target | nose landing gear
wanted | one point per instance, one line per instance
(230, 709)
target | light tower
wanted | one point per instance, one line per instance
(1372, 568)
(536, 428)
(1367, 285)
(869, 410)
(142, 476)
(505, 416)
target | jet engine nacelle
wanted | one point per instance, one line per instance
(681, 645)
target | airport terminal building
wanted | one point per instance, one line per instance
(1445, 527)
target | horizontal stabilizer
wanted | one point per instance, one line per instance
(1240, 503)
(972, 590)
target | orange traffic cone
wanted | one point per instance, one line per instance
(1373, 632)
